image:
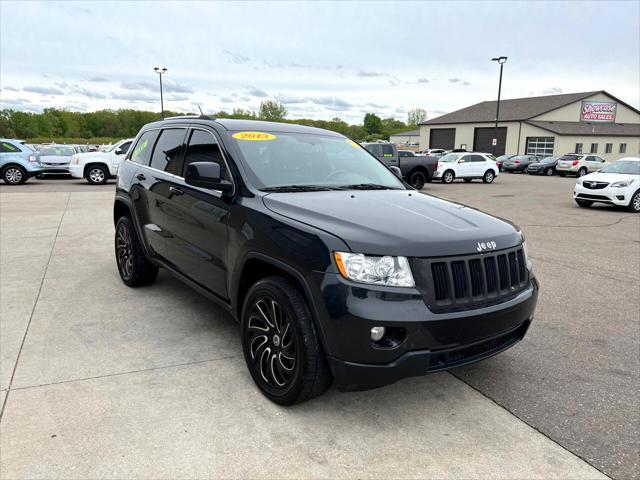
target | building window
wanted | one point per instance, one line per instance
(623, 148)
(578, 148)
(594, 148)
(608, 148)
(540, 146)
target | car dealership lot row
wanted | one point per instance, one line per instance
(114, 382)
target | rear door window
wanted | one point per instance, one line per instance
(169, 151)
(6, 147)
(142, 152)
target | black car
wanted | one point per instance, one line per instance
(519, 163)
(334, 267)
(546, 166)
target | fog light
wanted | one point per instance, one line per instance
(377, 333)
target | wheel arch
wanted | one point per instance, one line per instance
(93, 163)
(122, 206)
(12, 164)
(256, 266)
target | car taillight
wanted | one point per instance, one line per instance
(33, 158)
(574, 163)
(516, 161)
(437, 164)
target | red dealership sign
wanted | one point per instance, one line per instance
(598, 111)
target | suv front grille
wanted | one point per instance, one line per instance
(593, 185)
(470, 281)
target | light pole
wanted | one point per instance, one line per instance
(501, 61)
(160, 72)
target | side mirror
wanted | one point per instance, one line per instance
(119, 151)
(462, 160)
(206, 175)
(397, 172)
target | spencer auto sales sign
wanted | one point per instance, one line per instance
(598, 111)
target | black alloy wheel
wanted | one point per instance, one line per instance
(135, 270)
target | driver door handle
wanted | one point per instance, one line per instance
(141, 176)
(176, 191)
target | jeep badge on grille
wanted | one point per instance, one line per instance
(482, 246)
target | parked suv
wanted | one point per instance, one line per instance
(98, 167)
(579, 164)
(616, 184)
(466, 166)
(18, 162)
(415, 169)
(334, 267)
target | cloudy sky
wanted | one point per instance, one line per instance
(321, 60)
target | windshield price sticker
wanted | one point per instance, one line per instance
(254, 136)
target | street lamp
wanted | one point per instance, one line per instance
(501, 61)
(160, 72)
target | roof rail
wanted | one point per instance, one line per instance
(191, 117)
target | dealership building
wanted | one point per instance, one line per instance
(589, 122)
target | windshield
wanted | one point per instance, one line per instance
(112, 147)
(58, 151)
(452, 157)
(628, 167)
(293, 159)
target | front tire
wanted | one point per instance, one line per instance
(134, 268)
(417, 180)
(97, 174)
(280, 343)
(448, 176)
(584, 203)
(488, 176)
(14, 175)
(634, 204)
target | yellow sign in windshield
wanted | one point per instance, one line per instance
(253, 136)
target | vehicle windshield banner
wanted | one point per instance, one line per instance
(598, 111)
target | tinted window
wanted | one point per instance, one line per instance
(374, 149)
(6, 147)
(387, 150)
(203, 147)
(124, 148)
(142, 152)
(570, 157)
(167, 154)
(477, 158)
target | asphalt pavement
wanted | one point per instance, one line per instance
(99, 380)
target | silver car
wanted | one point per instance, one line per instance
(56, 158)
(579, 164)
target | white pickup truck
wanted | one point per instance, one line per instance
(98, 167)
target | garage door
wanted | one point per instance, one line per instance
(483, 137)
(442, 138)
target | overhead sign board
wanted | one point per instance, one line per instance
(598, 111)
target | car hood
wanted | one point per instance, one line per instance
(609, 177)
(92, 156)
(402, 222)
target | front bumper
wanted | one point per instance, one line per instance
(76, 171)
(609, 195)
(433, 341)
(64, 168)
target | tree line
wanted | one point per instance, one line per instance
(105, 126)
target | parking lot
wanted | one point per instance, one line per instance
(100, 380)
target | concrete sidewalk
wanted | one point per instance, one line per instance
(104, 381)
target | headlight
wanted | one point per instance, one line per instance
(622, 183)
(526, 256)
(392, 271)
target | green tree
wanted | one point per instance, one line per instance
(415, 116)
(372, 124)
(391, 126)
(272, 110)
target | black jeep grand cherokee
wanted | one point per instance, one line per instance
(335, 268)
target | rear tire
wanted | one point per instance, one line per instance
(134, 268)
(448, 176)
(417, 180)
(281, 345)
(548, 172)
(584, 203)
(634, 204)
(97, 174)
(582, 172)
(488, 176)
(14, 175)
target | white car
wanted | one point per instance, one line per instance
(617, 183)
(98, 167)
(467, 165)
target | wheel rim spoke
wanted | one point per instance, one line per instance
(271, 344)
